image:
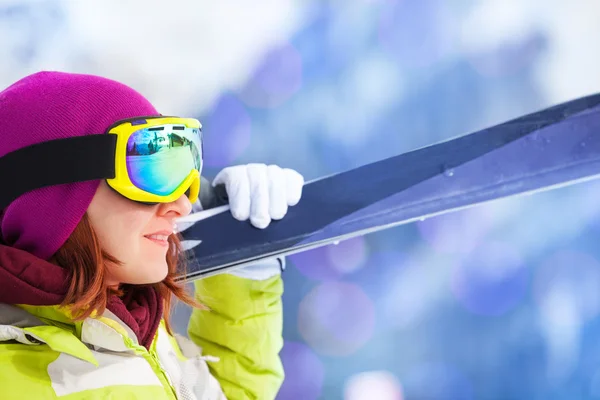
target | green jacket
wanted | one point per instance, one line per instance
(232, 351)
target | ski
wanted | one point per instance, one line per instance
(551, 148)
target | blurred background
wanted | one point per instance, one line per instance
(501, 301)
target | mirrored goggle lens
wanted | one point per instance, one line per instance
(160, 158)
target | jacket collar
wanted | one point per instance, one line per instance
(54, 326)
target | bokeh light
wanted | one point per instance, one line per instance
(436, 381)
(509, 58)
(227, 132)
(314, 264)
(371, 385)
(492, 280)
(276, 80)
(371, 87)
(348, 255)
(460, 231)
(350, 16)
(572, 276)
(418, 33)
(336, 318)
(499, 37)
(331, 262)
(304, 373)
(411, 288)
(566, 291)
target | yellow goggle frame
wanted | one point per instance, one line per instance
(122, 182)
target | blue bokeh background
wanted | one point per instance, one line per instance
(501, 301)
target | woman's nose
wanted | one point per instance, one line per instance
(182, 207)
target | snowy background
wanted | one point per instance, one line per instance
(498, 302)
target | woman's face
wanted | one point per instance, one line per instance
(135, 234)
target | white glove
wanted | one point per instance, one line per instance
(259, 192)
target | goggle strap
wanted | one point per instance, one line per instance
(56, 162)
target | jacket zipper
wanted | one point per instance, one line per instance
(153, 359)
(164, 373)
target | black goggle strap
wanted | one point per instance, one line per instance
(56, 162)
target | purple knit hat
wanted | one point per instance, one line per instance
(54, 105)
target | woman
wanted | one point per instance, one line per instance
(94, 179)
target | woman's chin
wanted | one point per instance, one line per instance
(153, 273)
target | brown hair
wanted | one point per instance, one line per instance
(86, 262)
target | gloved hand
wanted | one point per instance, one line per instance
(259, 192)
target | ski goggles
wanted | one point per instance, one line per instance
(145, 159)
